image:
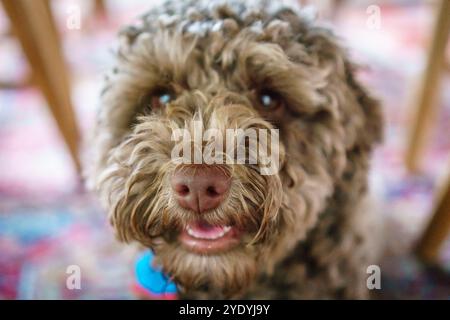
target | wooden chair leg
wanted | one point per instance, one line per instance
(100, 8)
(34, 26)
(437, 230)
(426, 106)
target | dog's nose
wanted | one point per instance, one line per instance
(200, 187)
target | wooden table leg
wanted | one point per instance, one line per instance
(437, 230)
(426, 103)
(34, 26)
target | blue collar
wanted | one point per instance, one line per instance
(152, 279)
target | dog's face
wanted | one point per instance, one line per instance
(220, 225)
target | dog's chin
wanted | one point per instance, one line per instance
(212, 258)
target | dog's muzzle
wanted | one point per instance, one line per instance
(200, 188)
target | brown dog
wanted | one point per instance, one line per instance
(227, 230)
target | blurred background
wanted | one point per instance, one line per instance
(52, 57)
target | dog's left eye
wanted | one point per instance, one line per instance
(270, 101)
(161, 99)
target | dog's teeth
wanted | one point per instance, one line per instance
(200, 235)
(190, 232)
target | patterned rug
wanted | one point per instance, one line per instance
(48, 223)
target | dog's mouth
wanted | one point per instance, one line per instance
(204, 238)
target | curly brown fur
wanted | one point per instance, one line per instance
(308, 233)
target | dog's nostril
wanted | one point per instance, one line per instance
(211, 191)
(182, 189)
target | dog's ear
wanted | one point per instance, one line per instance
(344, 95)
(372, 130)
(357, 124)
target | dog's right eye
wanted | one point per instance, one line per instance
(160, 99)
